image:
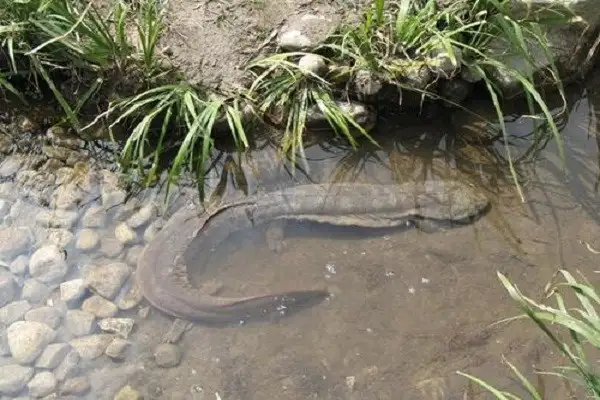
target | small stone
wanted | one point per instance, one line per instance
(27, 340)
(142, 216)
(20, 265)
(59, 237)
(91, 347)
(46, 315)
(4, 208)
(167, 355)
(133, 254)
(294, 40)
(13, 378)
(79, 323)
(10, 166)
(69, 366)
(128, 393)
(57, 218)
(132, 297)
(112, 197)
(48, 264)
(8, 287)
(78, 385)
(118, 348)
(52, 355)
(14, 311)
(153, 229)
(87, 240)
(143, 312)
(100, 307)
(120, 326)
(125, 234)
(94, 217)
(71, 292)
(42, 384)
(106, 280)
(4, 348)
(35, 291)
(13, 242)
(111, 247)
(312, 63)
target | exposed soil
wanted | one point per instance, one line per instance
(211, 40)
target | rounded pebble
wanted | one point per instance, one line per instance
(27, 340)
(100, 307)
(88, 239)
(167, 355)
(8, 287)
(106, 280)
(42, 384)
(13, 378)
(48, 264)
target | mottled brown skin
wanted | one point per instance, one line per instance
(161, 265)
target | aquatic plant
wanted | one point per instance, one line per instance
(581, 323)
(397, 39)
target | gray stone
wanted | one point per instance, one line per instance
(111, 247)
(50, 316)
(71, 292)
(13, 242)
(8, 287)
(120, 326)
(167, 355)
(128, 393)
(117, 349)
(124, 234)
(42, 384)
(99, 306)
(94, 217)
(88, 239)
(367, 84)
(444, 64)
(4, 208)
(303, 32)
(142, 216)
(27, 340)
(67, 197)
(48, 264)
(35, 291)
(4, 348)
(92, 346)
(59, 237)
(19, 266)
(106, 280)
(133, 254)
(112, 197)
(132, 297)
(57, 218)
(69, 366)
(75, 386)
(79, 323)
(13, 378)
(313, 63)
(52, 355)
(10, 166)
(14, 311)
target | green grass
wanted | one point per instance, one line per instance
(570, 329)
(44, 42)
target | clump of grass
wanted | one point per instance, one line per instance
(396, 39)
(286, 94)
(581, 323)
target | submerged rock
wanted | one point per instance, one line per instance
(91, 347)
(27, 340)
(42, 384)
(8, 287)
(13, 378)
(13, 242)
(48, 264)
(167, 355)
(106, 280)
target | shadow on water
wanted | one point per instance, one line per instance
(408, 308)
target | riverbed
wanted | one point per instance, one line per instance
(408, 308)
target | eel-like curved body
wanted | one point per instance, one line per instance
(162, 262)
